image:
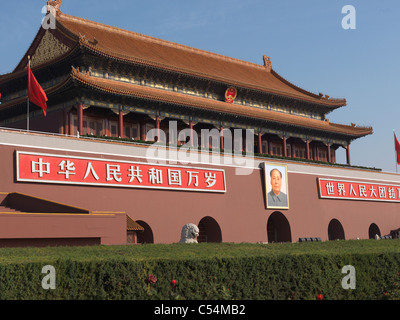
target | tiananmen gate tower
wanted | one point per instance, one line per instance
(123, 108)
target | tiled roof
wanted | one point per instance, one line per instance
(132, 225)
(145, 50)
(138, 91)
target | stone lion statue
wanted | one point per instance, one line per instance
(189, 233)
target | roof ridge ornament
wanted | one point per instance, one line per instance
(267, 63)
(75, 71)
(83, 38)
(56, 4)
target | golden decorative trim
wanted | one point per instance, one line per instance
(49, 48)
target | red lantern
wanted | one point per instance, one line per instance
(320, 296)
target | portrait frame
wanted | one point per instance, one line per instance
(282, 168)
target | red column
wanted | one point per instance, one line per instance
(270, 148)
(191, 133)
(107, 130)
(308, 149)
(329, 152)
(158, 127)
(315, 152)
(348, 154)
(259, 143)
(284, 147)
(244, 144)
(80, 118)
(221, 130)
(142, 131)
(66, 122)
(134, 237)
(120, 124)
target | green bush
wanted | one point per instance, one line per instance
(205, 271)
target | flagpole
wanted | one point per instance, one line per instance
(395, 154)
(27, 107)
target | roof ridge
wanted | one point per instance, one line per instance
(265, 69)
(163, 42)
(352, 125)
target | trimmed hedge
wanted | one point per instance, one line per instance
(205, 271)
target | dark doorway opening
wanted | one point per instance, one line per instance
(335, 230)
(209, 230)
(278, 228)
(145, 236)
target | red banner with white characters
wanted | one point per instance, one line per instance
(50, 168)
(356, 190)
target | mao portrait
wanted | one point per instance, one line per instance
(276, 186)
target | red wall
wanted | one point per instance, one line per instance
(240, 212)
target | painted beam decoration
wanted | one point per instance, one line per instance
(60, 169)
(356, 190)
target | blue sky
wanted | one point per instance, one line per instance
(305, 40)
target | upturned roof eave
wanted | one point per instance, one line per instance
(23, 73)
(79, 79)
(48, 91)
(331, 127)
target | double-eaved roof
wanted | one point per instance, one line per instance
(75, 33)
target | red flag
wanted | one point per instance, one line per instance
(35, 92)
(397, 147)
